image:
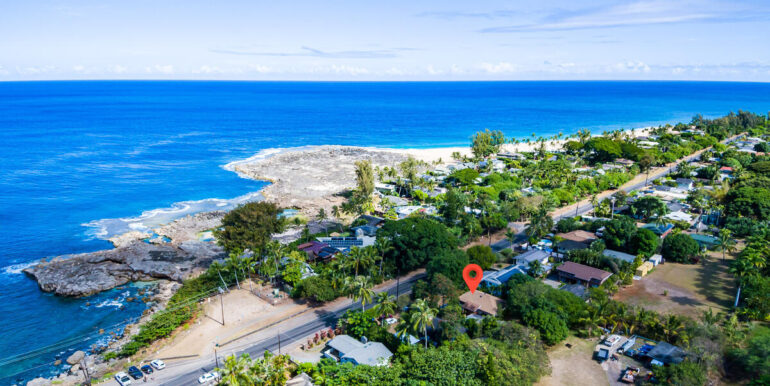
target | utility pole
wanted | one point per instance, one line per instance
(279, 341)
(216, 358)
(222, 305)
(86, 375)
(612, 212)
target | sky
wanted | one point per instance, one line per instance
(385, 40)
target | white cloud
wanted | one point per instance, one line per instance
(118, 69)
(498, 68)
(630, 66)
(160, 69)
(261, 69)
(35, 70)
(432, 70)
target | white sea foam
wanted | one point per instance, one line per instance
(106, 228)
(110, 303)
(16, 269)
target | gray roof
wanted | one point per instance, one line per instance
(674, 206)
(532, 255)
(301, 379)
(667, 353)
(578, 290)
(344, 343)
(370, 353)
(619, 255)
(570, 245)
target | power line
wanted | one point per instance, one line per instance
(85, 337)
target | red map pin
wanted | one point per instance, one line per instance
(472, 281)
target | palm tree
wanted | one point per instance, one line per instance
(236, 371)
(247, 266)
(386, 304)
(591, 318)
(726, 242)
(233, 264)
(321, 218)
(218, 268)
(511, 236)
(540, 224)
(422, 317)
(336, 213)
(361, 258)
(383, 245)
(672, 326)
(536, 269)
(360, 289)
(271, 260)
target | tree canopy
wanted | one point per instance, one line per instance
(680, 248)
(485, 143)
(415, 240)
(249, 226)
(481, 255)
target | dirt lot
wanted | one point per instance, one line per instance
(690, 288)
(574, 366)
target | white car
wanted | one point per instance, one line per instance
(123, 379)
(208, 377)
(158, 364)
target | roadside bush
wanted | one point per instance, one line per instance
(567, 224)
(481, 255)
(317, 288)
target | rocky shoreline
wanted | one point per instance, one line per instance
(89, 273)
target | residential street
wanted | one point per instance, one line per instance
(292, 332)
(585, 206)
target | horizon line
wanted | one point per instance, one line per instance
(385, 80)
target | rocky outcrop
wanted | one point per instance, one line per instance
(127, 238)
(312, 178)
(188, 227)
(89, 273)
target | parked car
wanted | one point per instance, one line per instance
(602, 355)
(123, 379)
(135, 373)
(205, 378)
(158, 364)
(147, 369)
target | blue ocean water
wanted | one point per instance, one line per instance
(84, 160)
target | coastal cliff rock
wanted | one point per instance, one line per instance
(188, 227)
(89, 273)
(127, 238)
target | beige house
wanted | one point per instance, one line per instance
(480, 303)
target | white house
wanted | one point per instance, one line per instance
(526, 258)
(344, 348)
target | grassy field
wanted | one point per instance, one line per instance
(574, 366)
(685, 289)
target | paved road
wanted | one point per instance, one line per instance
(322, 319)
(586, 207)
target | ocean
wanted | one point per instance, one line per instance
(85, 160)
